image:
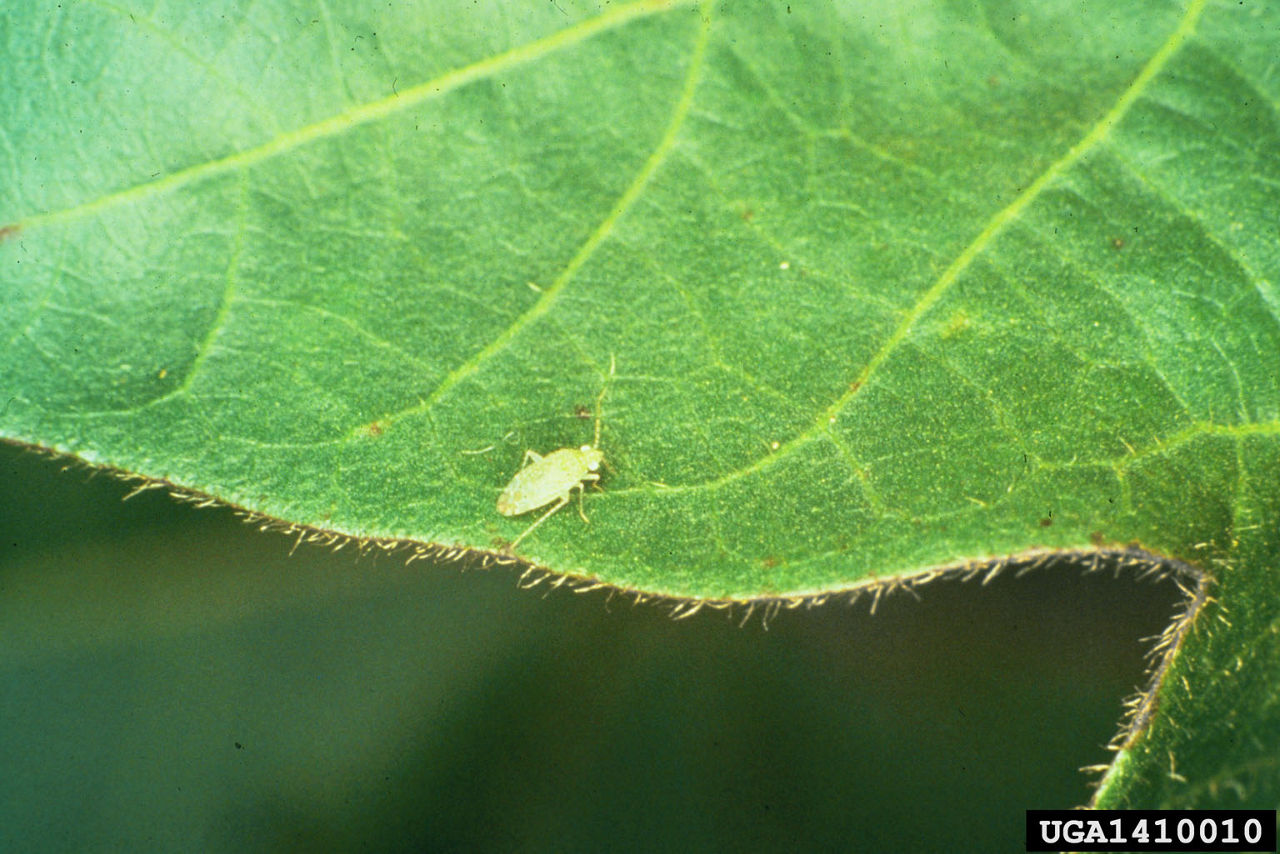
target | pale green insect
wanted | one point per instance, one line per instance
(553, 478)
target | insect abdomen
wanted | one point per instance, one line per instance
(547, 480)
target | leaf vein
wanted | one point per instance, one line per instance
(625, 202)
(358, 115)
(1100, 131)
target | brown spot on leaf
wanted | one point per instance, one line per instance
(9, 231)
(1117, 243)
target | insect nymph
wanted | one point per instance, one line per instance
(553, 478)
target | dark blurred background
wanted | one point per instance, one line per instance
(172, 679)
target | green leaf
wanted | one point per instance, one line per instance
(889, 287)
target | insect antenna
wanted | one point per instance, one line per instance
(599, 400)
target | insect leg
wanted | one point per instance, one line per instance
(560, 502)
(582, 487)
(529, 456)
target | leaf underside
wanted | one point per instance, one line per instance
(888, 286)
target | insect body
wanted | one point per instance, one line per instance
(553, 478)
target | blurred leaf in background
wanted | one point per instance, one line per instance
(172, 679)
